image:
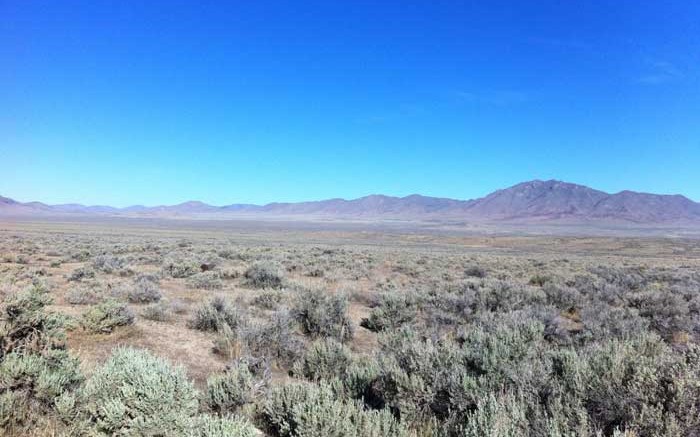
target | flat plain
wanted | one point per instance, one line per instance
(407, 331)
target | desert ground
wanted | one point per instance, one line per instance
(343, 330)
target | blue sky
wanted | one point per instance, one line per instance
(126, 102)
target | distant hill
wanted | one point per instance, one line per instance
(528, 201)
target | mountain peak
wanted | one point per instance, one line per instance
(532, 200)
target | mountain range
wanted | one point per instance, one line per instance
(536, 200)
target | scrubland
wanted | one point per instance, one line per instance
(116, 331)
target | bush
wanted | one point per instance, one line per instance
(324, 359)
(136, 393)
(108, 263)
(212, 315)
(323, 315)
(83, 295)
(104, 317)
(265, 274)
(394, 310)
(177, 267)
(81, 274)
(273, 338)
(208, 426)
(144, 290)
(158, 312)
(268, 299)
(475, 271)
(35, 370)
(313, 410)
(205, 281)
(227, 392)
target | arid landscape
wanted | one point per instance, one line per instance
(276, 218)
(254, 330)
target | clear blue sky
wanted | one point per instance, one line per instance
(126, 102)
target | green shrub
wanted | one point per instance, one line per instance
(324, 359)
(106, 316)
(229, 426)
(144, 290)
(323, 315)
(265, 274)
(503, 416)
(212, 315)
(35, 370)
(136, 393)
(313, 410)
(158, 312)
(227, 392)
(205, 281)
(394, 310)
(181, 267)
(268, 299)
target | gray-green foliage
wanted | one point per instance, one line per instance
(394, 310)
(106, 316)
(227, 392)
(322, 314)
(323, 359)
(315, 410)
(265, 274)
(212, 315)
(136, 393)
(35, 369)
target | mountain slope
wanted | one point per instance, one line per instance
(528, 201)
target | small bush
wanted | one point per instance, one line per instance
(265, 274)
(106, 316)
(84, 295)
(268, 299)
(474, 271)
(312, 410)
(323, 315)
(229, 391)
(158, 312)
(230, 426)
(144, 290)
(394, 310)
(212, 315)
(205, 281)
(324, 359)
(81, 274)
(177, 267)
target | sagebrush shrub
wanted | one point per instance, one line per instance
(213, 315)
(323, 359)
(144, 290)
(106, 316)
(265, 274)
(323, 315)
(136, 393)
(314, 410)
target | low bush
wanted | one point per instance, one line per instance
(323, 315)
(314, 410)
(211, 316)
(393, 310)
(265, 274)
(324, 359)
(106, 316)
(84, 295)
(227, 392)
(158, 312)
(136, 393)
(205, 281)
(144, 290)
